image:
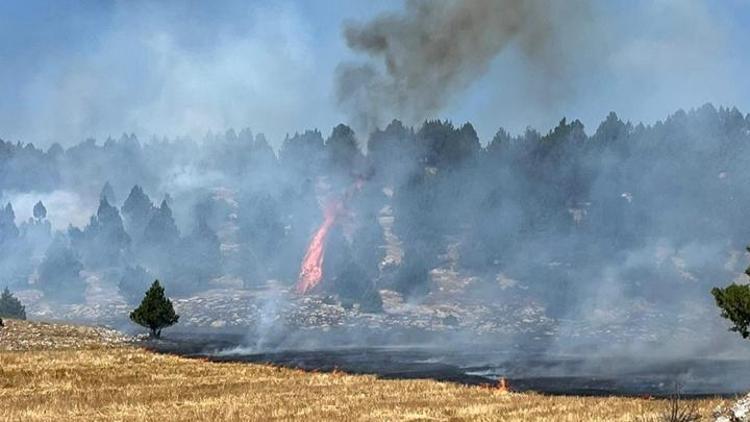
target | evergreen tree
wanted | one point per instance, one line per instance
(40, 212)
(342, 149)
(199, 257)
(108, 193)
(8, 229)
(10, 306)
(261, 228)
(104, 241)
(162, 229)
(137, 211)
(155, 311)
(59, 273)
(734, 301)
(302, 154)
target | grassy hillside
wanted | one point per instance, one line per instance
(102, 378)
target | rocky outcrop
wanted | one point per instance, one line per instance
(739, 411)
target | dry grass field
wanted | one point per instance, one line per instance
(118, 382)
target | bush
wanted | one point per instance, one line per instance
(155, 311)
(10, 306)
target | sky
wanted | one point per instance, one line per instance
(70, 70)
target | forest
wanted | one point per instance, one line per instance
(652, 211)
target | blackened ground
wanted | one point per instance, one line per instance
(526, 370)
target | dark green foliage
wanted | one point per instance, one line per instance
(261, 228)
(341, 147)
(158, 249)
(10, 306)
(59, 273)
(444, 146)
(303, 153)
(108, 193)
(734, 301)
(161, 229)
(393, 149)
(198, 259)
(8, 228)
(137, 211)
(104, 242)
(354, 286)
(40, 212)
(155, 311)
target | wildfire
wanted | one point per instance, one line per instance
(501, 387)
(311, 271)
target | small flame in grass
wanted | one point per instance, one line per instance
(502, 386)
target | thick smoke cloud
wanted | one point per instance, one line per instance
(422, 58)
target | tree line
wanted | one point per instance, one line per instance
(566, 208)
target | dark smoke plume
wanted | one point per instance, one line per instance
(422, 57)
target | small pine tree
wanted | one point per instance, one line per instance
(10, 306)
(734, 301)
(155, 311)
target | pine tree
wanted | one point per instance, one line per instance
(734, 302)
(59, 273)
(137, 211)
(155, 311)
(108, 193)
(10, 306)
(40, 212)
(8, 228)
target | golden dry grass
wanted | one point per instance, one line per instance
(127, 383)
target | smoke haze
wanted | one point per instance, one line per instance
(601, 235)
(184, 69)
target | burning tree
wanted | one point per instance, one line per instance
(156, 311)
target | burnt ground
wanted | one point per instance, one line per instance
(480, 364)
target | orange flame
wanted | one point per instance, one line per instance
(502, 386)
(311, 271)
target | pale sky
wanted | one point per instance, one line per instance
(73, 69)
